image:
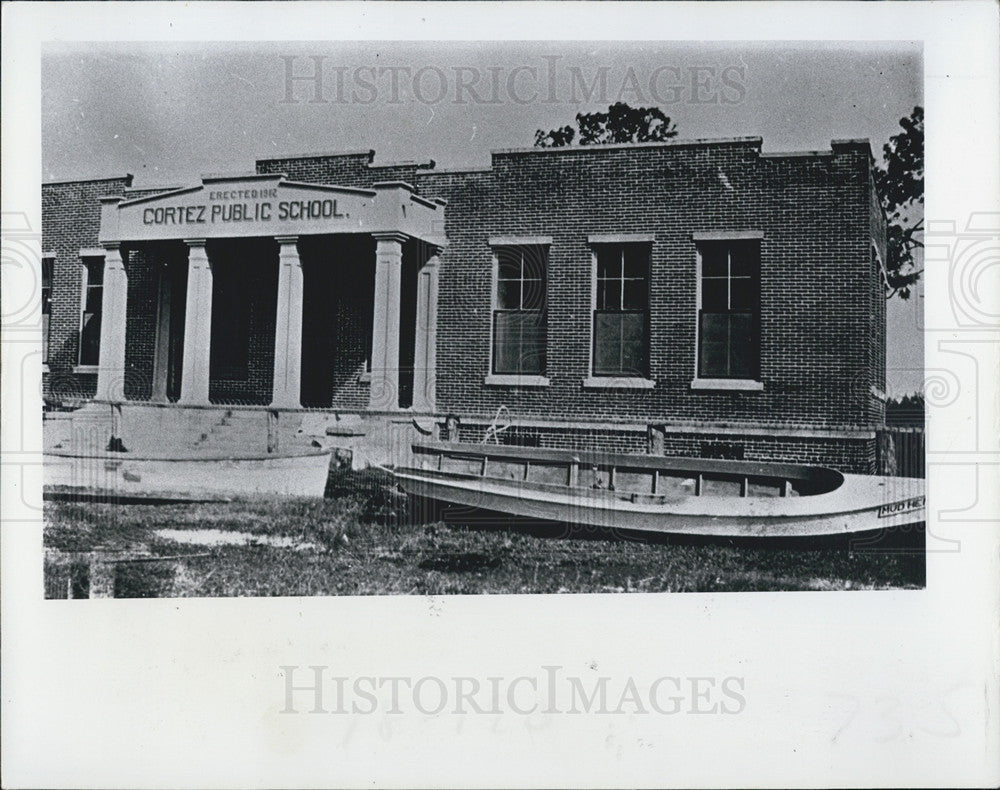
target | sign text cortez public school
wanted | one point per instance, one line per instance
(255, 211)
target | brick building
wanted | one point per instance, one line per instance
(691, 298)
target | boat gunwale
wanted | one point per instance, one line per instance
(107, 455)
(826, 478)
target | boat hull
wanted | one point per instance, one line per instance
(201, 477)
(861, 504)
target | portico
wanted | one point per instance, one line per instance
(229, 245)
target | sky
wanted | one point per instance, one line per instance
(168, 113)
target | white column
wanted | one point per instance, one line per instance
(288, 326)
(385, 326)
(161, 350)
(425, 353)
(114, 301)
(197, 326)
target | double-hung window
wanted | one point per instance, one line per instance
(729, 309)
(519, 314)
(621, 310)
(48, 264)
(90, 320)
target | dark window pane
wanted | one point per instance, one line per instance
(714, 342)
(94, 297)
(741, 360)
(713, 260)
(609, 261)
(534, 295)
(741, 325)
(609, 294)
(636, 260)
(619, 344)
(745, 258)
(95, 272)
(46, 287)
(90, 339)
(728, 346)
(532, 359)
(509, 264)
(607, 342)
(519, 343)
(633, 358)
(534, 262)
(744, 293)
(715, 327)
(509, 294)
(714, 296)
(713, 360)
(635, 295)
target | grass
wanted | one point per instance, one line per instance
(366, 538)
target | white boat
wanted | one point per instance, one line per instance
(185, 476)
(694, 496)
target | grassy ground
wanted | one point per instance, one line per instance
(365, 538)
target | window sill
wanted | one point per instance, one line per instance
(746, 385)
(365, 378)
(45, 367)
(618, 383)
(85, 368)
(513, 380)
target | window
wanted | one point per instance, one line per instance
(621, 311)
(47, 266)
(90, 323)
(729, 312)
(519, 319)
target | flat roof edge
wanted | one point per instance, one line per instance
(127, 178)
(751, 140)
(369, 152)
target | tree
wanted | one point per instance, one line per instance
(907, 410)
(620, 124)
(900, 182)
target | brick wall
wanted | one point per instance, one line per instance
(814, 216)
(71, 219)
(819, 353)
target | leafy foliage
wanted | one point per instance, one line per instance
(900, 182)
(907, 410)
(620, 124)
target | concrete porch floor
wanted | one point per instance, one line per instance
(360, 439)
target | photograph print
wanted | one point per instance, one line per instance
(396, 318)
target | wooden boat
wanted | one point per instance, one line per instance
(185, 476)
(695, 496)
